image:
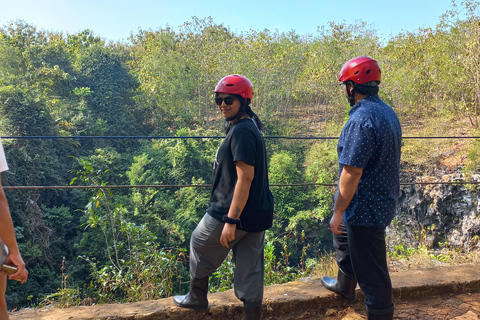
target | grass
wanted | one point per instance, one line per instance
(429, 151)
(424, 258)
(325, 266)
(408, 259)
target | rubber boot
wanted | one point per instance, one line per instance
(344, 285)
(384, 314)
(197, 297)
(252, 310)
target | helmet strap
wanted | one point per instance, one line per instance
(351, 95)
(248, 110)
(228, 121)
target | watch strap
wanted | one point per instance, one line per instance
(229, 220)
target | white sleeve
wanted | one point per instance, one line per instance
(3, 159)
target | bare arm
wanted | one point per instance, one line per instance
(245, 174)
(347, 186)
(7, 234)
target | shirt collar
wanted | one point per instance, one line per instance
(372, 98)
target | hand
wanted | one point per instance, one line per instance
(228, 234)
(335, 223)
(16, 260)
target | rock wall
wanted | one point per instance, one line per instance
(435, 214)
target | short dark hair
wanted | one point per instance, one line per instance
(369, 88)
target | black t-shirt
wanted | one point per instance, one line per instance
(243, 142)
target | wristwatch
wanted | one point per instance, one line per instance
(229, 220)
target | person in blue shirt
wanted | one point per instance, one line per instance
(368, 188)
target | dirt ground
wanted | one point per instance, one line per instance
(448, 307)
(458, 307)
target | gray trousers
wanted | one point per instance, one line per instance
(207, 254)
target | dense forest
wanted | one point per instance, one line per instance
(140, 113)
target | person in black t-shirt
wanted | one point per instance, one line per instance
(241, 205)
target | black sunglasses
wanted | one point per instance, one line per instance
(228, 100)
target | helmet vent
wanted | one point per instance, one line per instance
(368, 71)
(229, 85)
(356, 73)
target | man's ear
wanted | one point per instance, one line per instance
(350, 87)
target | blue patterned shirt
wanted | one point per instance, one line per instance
(371, 139)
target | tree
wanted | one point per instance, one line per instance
(111, 87)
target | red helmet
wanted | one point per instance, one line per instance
(360, 70)
(235, 84)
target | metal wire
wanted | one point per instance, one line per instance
(207, 137)
(205, 185)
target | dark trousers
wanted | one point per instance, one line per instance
(362, 253)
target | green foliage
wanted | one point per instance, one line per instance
(63, 298)
(277, 269)
(112, 162)
(320, 160)
(294, 220)
(222, 278)
(190, 157)
(310, 223)
(193, 203)
(473, 157)
(136, 268)
(172, 213)
(402, 252)
(110, 86)
(147, 274)
(23, 115)
(283, 169)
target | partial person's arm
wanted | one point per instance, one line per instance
(245, 174)
(347, 186)
(7, 233)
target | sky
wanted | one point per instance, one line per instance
(117, 20)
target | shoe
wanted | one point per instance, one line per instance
(252, 311)
(196, 298)
(344, 285)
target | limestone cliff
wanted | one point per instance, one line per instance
(432, 214)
